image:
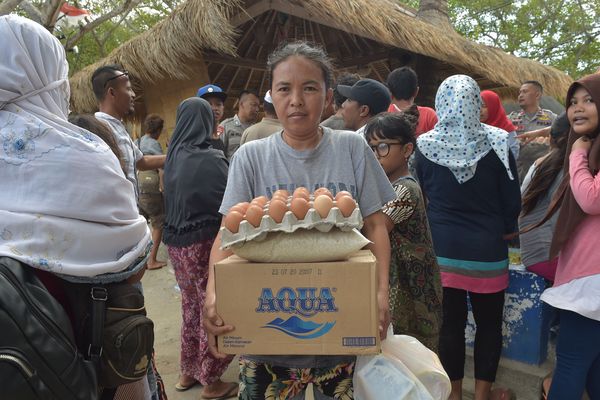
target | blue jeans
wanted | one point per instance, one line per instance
(577, 358)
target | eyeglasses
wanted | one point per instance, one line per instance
(382, 149)
(124, 73)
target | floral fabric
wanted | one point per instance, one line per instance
(415, 283)
(459, 140)
(59, 211)
(263, 381)
(191, 271)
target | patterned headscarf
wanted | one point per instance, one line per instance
(458, 141)
(65, 205)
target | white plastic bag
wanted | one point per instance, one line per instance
(383, 378)
(421, 361)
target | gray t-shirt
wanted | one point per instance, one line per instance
(149, 146)
(341, 161)
(535, 244)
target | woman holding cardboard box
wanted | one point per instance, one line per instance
(304, 154)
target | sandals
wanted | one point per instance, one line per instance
(502, 394)
(232, 392)
(182, 388)
(545, 386)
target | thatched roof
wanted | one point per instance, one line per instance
(376, 35)
(167, 49)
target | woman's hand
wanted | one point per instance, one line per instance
(214, 326)
(383, 303)
(584, 143)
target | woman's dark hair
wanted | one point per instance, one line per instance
(395, 125)
(548, 169)
(99, 128)
(311, 52)
(153, 124)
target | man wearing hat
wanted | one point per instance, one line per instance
(267, 126)
(216, 98)
(231, 129)
(365, 99)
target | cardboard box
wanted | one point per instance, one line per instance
(323, 308)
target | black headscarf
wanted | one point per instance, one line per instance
(195, 176)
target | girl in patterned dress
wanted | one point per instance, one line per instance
(415, 285)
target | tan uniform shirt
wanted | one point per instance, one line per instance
(263, 129)
(526, 123)
(231, 130)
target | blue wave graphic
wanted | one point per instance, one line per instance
(300, 329)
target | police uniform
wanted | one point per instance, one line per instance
(524, 123)
(531, 151)
(230, 131)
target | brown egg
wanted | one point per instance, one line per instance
(232, 221)
(280, 196)
(254, 215)
(281, 192)
(299, 207)
(324, 191)
(240, 207)
(301, 192)
(277, 210)
(343, 193)
(260, 201)
(323, 204)
(346, 205)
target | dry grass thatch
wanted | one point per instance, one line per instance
(386, 22)
(163, 51)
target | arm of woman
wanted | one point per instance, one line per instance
(376, 231)
(510, 193)
(212, 322)
(585, 187)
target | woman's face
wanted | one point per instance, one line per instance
(483, 116)
(299, 95)
(582, 112)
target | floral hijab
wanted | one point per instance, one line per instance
(459, 140)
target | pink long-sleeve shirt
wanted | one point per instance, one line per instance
(580, 256)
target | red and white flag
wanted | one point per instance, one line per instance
(70, 15)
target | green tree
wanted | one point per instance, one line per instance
(561, 33)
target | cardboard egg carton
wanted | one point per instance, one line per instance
(290, 224)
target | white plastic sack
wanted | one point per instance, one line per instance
(383, 378)
(302, 246)
(421, 361)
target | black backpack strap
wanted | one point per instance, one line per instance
(99, 296)
(108, 394)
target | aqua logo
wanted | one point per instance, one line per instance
(302, 301)
(300, 329)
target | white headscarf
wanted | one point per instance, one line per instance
(459, 140)
(65, 204)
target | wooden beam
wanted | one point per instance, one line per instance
(234, 61)
(216, 78)
(300, 12)
(251, 12)
(262, 83)
(231, 82)
(363, 60)
(248, 80)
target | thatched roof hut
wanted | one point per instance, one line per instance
(226, 42)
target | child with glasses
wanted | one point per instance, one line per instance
(415, 284)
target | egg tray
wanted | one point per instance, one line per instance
(290, 224)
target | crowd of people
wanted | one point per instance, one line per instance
(442, 192)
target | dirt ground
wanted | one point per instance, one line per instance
(163, 303)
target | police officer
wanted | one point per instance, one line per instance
(216, 98)
(531, 117)
(231, 129)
